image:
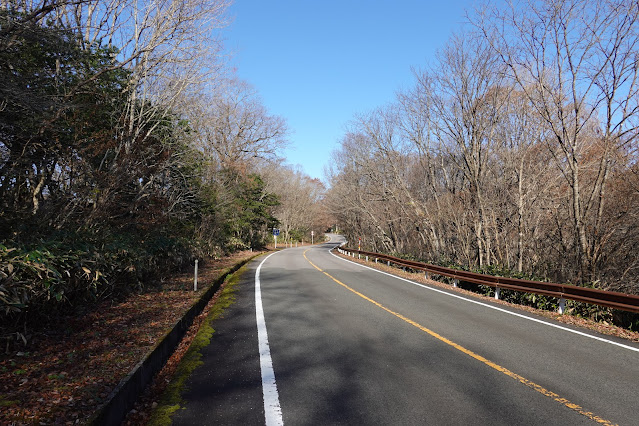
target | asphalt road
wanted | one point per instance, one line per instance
(349, 345)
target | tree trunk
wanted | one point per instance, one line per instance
(581, 241)
(520, 217)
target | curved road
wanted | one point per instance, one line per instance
(350, 345)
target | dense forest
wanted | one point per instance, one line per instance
(128, 149)
(514, 152)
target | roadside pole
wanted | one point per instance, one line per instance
(276, 232)
(195, 277)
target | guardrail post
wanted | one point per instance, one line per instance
(375, 260)
(455, 283)
(367, 258)
(562, 305)
(426, 275)
(359, 256)
(497, 291)
(388, 263)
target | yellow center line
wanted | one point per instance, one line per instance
(478, 357)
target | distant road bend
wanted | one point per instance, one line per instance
(316, 339)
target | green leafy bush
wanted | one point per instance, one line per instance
(44, 275)
(56, 276)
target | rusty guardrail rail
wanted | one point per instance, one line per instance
(610, 299)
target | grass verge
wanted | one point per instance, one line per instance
(172, 398)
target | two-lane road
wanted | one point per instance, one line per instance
(350, 345)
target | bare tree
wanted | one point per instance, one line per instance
(467, 95)
(521, 169)
(517, 148)
(299, 199)
(576, 62)
(236, 128)
(167, 49)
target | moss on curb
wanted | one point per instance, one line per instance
(8, 402)
(172, 398)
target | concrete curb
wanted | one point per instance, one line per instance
(123, 397)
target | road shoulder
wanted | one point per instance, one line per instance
(218, 381)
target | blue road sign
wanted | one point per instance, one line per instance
(276, 232)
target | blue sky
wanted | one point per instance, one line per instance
(319, 63)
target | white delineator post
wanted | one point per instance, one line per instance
(195, 277)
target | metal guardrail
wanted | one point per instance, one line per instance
(610, 299)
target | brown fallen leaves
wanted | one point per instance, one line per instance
(67, 369)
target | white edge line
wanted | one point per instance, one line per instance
(272, 410)
(491, 306)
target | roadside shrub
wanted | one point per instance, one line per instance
(71, 271)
